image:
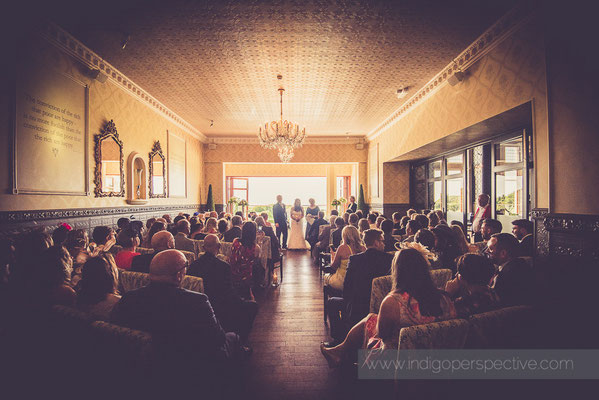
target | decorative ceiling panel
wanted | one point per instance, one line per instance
(342, 61)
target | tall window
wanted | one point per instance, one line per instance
(343, 187)
(509, 181)
(435, 185)
(237, 187)
(454, 187)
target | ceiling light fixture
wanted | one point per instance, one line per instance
(282, 135)
(401, 93)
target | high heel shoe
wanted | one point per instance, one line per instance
(333, 360)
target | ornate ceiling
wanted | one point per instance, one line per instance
(342, 61)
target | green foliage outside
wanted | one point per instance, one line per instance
(506, 205)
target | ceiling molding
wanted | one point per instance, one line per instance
(486, 42)
(67, 43)
(309, 140)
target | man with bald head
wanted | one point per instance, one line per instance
(233, 312)
(184, 328)
(162, 240)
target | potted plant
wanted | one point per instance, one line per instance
(243, 204)
(210, 199)
(233, 202)
(335, 203)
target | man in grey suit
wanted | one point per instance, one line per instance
(279, 213)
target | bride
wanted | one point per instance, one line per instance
(296, 236)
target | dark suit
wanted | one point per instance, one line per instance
(274, 242)
(514, 283)
(232, 312)
(336, 237)
(362, 268)
(141, 263)
(314, 230)
(182, 323)
(231, 234)
(279, 213)
(352, 208)
(527, 246)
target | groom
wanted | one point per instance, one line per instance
(279, 214)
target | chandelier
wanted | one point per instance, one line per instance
(282, 135)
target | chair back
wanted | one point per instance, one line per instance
(381, 286)
(189, 255)
(115, 249)
(143, 250)
(193, 283)
(440, 277)
(506, 328)
(450, 334)
(130, 280)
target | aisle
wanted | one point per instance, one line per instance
(287, 332)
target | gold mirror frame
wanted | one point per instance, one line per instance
(108, 132)
(156, 150)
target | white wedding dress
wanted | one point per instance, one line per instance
(296, 239)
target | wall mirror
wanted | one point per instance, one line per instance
(157, 182)
(108, 153)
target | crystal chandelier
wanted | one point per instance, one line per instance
(282, 135)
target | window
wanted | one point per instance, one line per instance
(509, 179)
(343, 187)
(236, 187)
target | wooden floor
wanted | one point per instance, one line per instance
(286, 337)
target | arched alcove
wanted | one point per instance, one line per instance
(137, 192)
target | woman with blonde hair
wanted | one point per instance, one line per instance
(363, 226)
(351, 244)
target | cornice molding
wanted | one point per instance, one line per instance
(486, 42)
(309, 140)
(7, 217)
(67, 43)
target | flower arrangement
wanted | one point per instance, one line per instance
(233, 202)
(335, 203)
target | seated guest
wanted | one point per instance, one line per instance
(387, 228)
(182, 241)
(396, 217)
(433, 220)
(522, 229)
(234, 313)
(244, 253)
(264, 216)
(410, 212)
(446, 246)
(412, 227)
(470, 288)
(413, 300)
(440, 215)
(104, 239)
(372, 220)
(53, 278)
(156, 227)
(426, 238)
(514, 281)
(353, 219)
(363, 226)
(121, 224)
(222, 225)
(362, 268)
(196, 231)
(235, 231)
(351, 244)
(128, 241)
(162, 240)
(149, 223)
(488, 228)
(182, 323)
(59, 235)
(210, 226)
(401, 231)
(458, 234)
(77, 245)
(462, 227)
(335, 240)
(346, 218)
(379, 221)
(315, 229)
(270, 232)
(167, 219)
(221, 215)
(97, 290)
(324, 235)
(422, 219)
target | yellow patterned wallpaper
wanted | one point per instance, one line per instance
(253, 153)
(511, 74)
(138, 128)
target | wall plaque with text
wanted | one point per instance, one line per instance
(50, 133)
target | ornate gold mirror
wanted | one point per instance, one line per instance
(157, 183)
(108, 153)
